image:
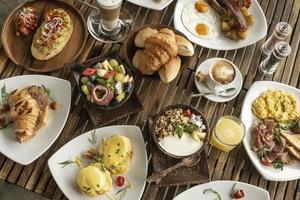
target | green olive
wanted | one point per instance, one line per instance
(114, 63)
(84, 89)
(84, 80)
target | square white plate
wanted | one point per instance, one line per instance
(224, 189)
(66, 177)
(26, 152)
(151, 4)
(256, 31)
(288, 173)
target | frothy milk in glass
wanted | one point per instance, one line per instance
(110, 10)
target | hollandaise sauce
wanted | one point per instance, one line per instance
(116, 153)
(93, 181)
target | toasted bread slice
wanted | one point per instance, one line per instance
(44, 49)
(293, 151)
(293, 139)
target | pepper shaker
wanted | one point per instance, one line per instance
(281, 32)
(270, 64)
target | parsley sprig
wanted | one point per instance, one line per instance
(218, 196)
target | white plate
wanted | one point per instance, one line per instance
(66, 177)
(26, 152)
(151, 4)
(224, 189)
(289, 172)
(256, 31)
(202, 88)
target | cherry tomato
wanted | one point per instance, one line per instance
(89, 72)
(120, 181)
(187, 112)
(265, 162)
(239, 194)
(109, 74)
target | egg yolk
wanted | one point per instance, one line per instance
(202, 29)
(201, 6)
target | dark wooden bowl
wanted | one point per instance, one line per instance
(18, 48)
(129, 47)
(183, 106)
(77, 68)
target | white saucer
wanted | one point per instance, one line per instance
(202, 88)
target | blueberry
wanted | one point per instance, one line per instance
(93, 78)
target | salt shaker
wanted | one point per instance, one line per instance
(270, 64)
(281, 32)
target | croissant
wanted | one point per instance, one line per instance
(24, 112)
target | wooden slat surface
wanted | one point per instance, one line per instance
(155, 95)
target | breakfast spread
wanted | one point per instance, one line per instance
(106, 83)
(182, 128)
(26, 21)
(161, 50)
(275, 137)
(207, 19)
(27, 108)
(113, 157)
(52, 35)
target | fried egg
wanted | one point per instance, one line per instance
(208, 22)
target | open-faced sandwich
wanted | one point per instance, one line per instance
(27, 108)
(52, 35)
(25, 21)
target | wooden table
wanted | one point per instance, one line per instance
(155, 95)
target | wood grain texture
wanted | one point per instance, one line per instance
(156, 95)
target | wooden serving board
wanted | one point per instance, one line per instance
(18, 48)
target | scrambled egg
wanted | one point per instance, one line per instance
(93, 180)
(276, 104)
(116, 153)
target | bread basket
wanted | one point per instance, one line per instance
(129, 47)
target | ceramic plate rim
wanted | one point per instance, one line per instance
(50, 161)
(157, 7)
(33, 158)
(221, 182)
(259, 167)
(179, 26)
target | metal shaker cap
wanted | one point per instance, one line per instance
(282, 49)
(283, 29)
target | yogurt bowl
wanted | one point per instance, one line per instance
(180, 131)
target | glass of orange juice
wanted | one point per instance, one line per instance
(228, 133)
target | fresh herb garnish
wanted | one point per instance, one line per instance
(67, 162)
(278, 164)
(48, 92)
(190, 128)
(122, 192)
(233, 190)
(93, 138)
(4, 95)
(179, 129)
(287, 125)
(262, 152)
(218, 196)
(276, 132)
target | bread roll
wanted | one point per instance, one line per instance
(169, 71)
(142, 35)
(185, 47)
(139, 63)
